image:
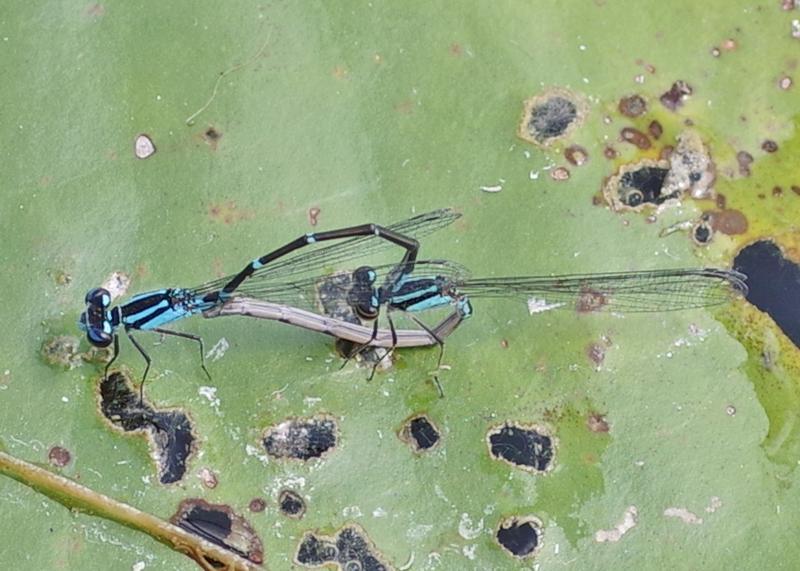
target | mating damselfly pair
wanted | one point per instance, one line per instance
(294, 284)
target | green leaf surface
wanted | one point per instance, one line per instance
(369, 112)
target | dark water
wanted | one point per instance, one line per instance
(774, 283)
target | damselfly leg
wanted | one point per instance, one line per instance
(146, 359)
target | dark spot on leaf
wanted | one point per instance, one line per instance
(59, 456)
(169, 432)
(526, 447)
(777, 191)
(702, 233)
(796, 189)
(677, 94)
(520, 536)
(219, 524)
(774, 284)
(420, 433)
(291, 504)
(769, 146)
(212, 137)
(632, 106)
(638, 184)
(350, 549)
(635, 137)
(550, 116)
(301, 438)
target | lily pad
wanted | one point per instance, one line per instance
(164, 145)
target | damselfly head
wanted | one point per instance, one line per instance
(94, 320)
(362, 296)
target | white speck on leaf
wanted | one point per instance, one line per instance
(496, 188)
(628, 522)
(714, 504)
(209, 393)
(468, 529)
(536, 305)
(217, 352)
(144, 147)
(117, 284)
(684, 515)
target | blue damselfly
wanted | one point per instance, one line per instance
(153, 310)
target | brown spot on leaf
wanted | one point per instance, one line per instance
(406, 106)
(313, 215)
(769, 146)
(208, 478)
(94, 10)
(559, 174)
(456, 49)
(610, 153)
(257, 505)
(632, 106)
(59, 456)
(596, 353)
(744, 159)
(635, 137)
(777, 191)
(590, 300)
(655, 129)
(576, 155)
(597, 422)
(728, 221)
(228, 213)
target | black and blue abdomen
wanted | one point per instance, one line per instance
(158, 308)
(418, 294)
